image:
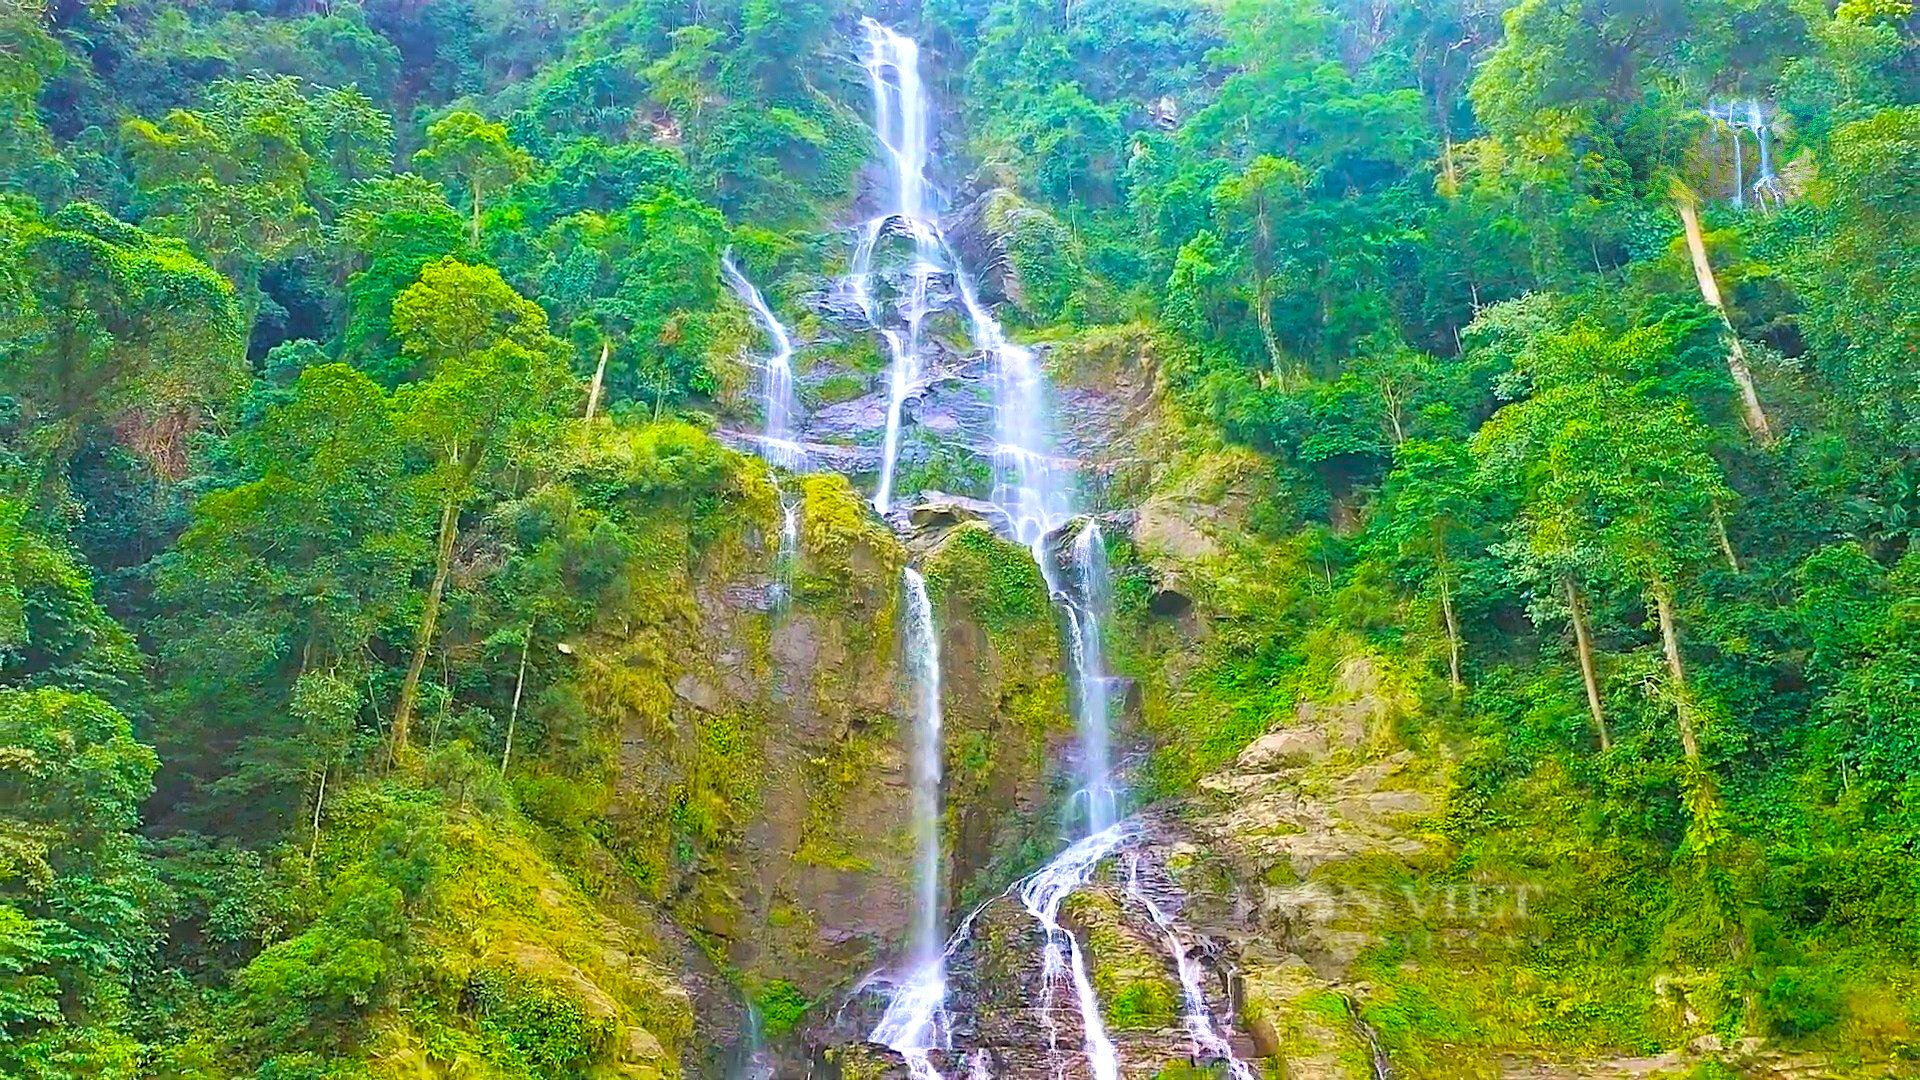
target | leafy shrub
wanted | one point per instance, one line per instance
(1801, 1001)
(547, 1031)
(782, 1006)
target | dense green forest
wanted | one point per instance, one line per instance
(342, 724)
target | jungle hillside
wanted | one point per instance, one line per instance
(1148, 539)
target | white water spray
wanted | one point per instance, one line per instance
(1032, 488)
(915, 1022)
(788, 556)
(1748, 116)
(778, 441)
(1208, 1043)
(1093, 703)
(1061, 960)
(902, 120)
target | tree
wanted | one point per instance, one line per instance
(493, 371)
(1253, 208)
(474, 155)
(1432, 518)
(1756, 417)
(288, 573)
(1612, 484)
(116, 326)
(236, 179)
(28, 160)
(71, 887)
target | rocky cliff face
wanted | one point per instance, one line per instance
(759, 793)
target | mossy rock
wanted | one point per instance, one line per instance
(1137, 990)
(1303, 1023)
(846, 552)
(998, 585)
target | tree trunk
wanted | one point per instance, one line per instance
(410, 689)
(599, 379)
(1756, 417)
(519, 684)
(1453, 634)
(1726, 542)
(1670, 644)
(313, 849)
(476, 216)
(1584, 645)
(1263, 300)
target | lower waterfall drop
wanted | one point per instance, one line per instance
(1093, 705)
(788, 554)
(915, 1023)
(1208, 1043)
(1061, 958)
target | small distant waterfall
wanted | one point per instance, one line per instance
(915, 1022)
(1747, 116)
(778, 442)
(1208, 1043)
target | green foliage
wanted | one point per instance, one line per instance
(72, 883)
(1441, 388)
(548, 1034)
(996, 582)
(782, 1007)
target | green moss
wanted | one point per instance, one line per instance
(1049, 265)
(782, 1007)
(996, 583)
(835, 389)
(543, 1030)
(1136, 991)
(936, 464)
(845, 551)
(825, 833)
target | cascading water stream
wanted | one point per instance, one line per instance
(915, 1022)
(1208, 1043)
(778, 441)
(1092, 704)
(1033, 490)
(1749, 116)
(1061, 959)
(788, 554)
(756, 1063)
(1768, 186)
(902, 120)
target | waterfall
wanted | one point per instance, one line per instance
(915, 1022)
(1092, 708)
(1208, 1043)
(788, 555)
(902, 120)
(777, 440)
(1033, 491)
(1029, 485)
(1739, 170)
(755, 1063)
(1061, 959)
(1768, 186)
(1748, 116)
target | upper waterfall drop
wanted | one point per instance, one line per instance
(778, 442)
(903, 124)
